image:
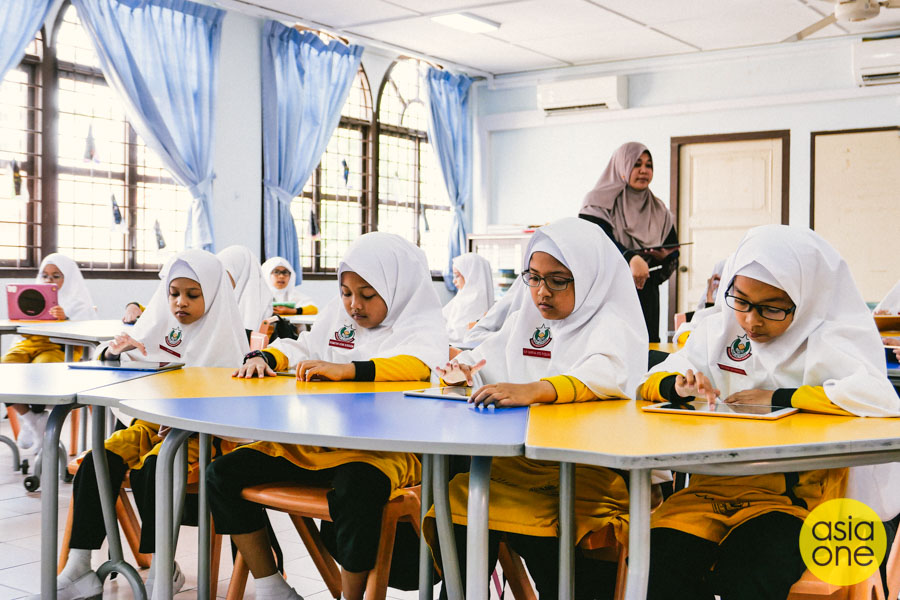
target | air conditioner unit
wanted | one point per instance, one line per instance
(583, 94)
(876, 61)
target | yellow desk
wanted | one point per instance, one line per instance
(666, 347)
(617, 434)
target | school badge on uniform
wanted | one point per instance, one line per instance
(739, 349)
(174, 338)
(540, 338)
(345, 337)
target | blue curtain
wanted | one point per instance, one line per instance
(161, 57)
(21, 20)
(304, 85)
(450, 133)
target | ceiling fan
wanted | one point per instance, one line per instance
(846, 11)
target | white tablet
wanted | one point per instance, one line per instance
(125, 365)
(720, 409)
(453, 392)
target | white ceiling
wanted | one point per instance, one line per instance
(540, 34)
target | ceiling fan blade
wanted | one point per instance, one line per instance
(820, 24)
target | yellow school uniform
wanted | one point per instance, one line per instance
(38, 349)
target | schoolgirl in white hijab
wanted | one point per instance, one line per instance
(253, 294)
(890, 304)
(74, 296)
(289, 293)
(596, 351)
(496, 316)
(384, 324)
(174, 327)
(474, 297)
(827, 358)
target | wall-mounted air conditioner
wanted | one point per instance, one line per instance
(876, 61)
(583, 94)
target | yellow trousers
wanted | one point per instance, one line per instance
(37, 349)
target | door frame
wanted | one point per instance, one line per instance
(675, 157)
(812, 161)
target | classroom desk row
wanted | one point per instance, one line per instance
(376, 416)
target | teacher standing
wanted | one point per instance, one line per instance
(622, 204)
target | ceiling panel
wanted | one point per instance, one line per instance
(337, 13)
(524, 21)
(427, 37)
(585, 48)
(436, 6)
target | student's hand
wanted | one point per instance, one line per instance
(284, 310)
(454, 373)
(255, 367)
(57, 312)
(639, 271)
(897, 353)
(132, 313)
(882, 311)
(712, 286)
(890, 341)
(124, 342)
(697, 385)
(319, 370)
(751, 397)
(513, 394)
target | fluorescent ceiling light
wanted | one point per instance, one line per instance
(467, 22)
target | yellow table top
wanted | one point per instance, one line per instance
(617, 433)
(666, 347)
(209, 382)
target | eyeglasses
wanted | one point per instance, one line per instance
(553, 282)
(771, 313)
(54, 277)
(284, 272)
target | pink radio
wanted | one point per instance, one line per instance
(31, 301)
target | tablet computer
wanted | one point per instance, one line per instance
(452, 392)
(662, 247)
(31, 301)
(126, 365)
(720, 409)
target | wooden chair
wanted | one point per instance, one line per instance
(305, 503)
(131, 529)
(601, 544)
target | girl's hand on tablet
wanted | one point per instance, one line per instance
(454, 373)
(124, 342)
(255, 367)
(319, 370)
(697, 385)
(513, 394)
(57, 312)
(763, 397)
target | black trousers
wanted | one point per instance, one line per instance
(759, 560)
(356, 500)
(649, 298)
(594, 579)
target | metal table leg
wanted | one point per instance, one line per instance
(566, 531)
(165, 552)
(638, 535)
(426, 585)
(116, 562)
(203, 528)
(449, 558)
(50, 499)
(477, 575)
(17, 464)
(83, 426)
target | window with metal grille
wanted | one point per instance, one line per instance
(412, 200)
(332, 210)
(117, 206)
(20, 161)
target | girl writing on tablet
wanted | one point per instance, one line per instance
(788, 328)
(576, 335)
(192, 318)
(384, 324)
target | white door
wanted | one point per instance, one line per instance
(857, 204)
(724, 189)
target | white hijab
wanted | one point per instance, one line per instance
(602, 343)
(399, 272)
(73, 296)
(253, 295)
(891, 302)
(217, 339)
(496, 316)
(291, 292)
(473, 300)
(832, 340)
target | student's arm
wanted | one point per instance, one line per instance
(570, 389)
(396, 368)
(309, 309)
(810, 398)
(660, 387)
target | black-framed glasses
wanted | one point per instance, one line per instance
(772, 313)
(553, 282)
(284, 272)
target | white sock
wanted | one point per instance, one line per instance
(78, 564)
(272, 586)
(29, 419)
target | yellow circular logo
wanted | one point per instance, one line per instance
(842, 541)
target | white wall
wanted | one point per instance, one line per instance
(536, 168)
